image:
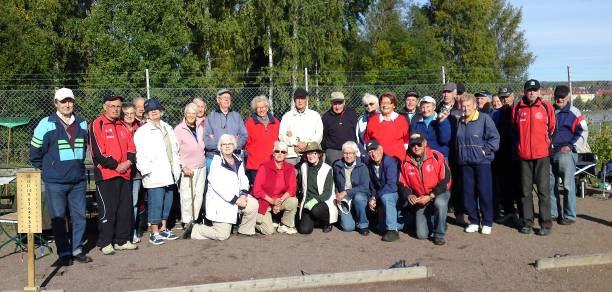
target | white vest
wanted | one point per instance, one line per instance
(321, 176)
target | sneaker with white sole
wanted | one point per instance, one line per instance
(126, 246)
(286, 229)
(135, 239)
(168, 235)
(156, 239)
(486, 230)
(108, 250)
(471, 228)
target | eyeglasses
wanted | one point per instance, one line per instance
(416, 145)
(280, 151)
(227, 144)
(369, 104)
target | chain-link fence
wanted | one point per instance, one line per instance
(36, 104)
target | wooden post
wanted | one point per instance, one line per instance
(29, 216)
(31, 267)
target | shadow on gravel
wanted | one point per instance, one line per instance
(596, 220)
(51, 275)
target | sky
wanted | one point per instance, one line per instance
(568, 33)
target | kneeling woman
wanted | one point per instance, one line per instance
(227, 196)
(317, 206)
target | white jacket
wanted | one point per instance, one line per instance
(224, 186)
(305, 127)
(321, 176)
(151, 157)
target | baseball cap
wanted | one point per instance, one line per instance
(224, 90)
(561, 91)
(411, 93)
(372, 145)
(63, 93)
(460, 88)
(504, 91)
(416, 138)
(113, 97)
(427, 98)
(152, 104)
(449, 87)
(532, 84)
(484, 93)
(300, 92)
(337, 95)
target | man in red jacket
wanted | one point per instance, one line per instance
(534, 121)
(113, 154)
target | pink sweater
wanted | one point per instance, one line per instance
(191, 150)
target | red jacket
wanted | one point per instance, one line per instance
(535, 125)
(260, 140)
(267, 183)
(432, 176)
(392, 135)
(111, 143)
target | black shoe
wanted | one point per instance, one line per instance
(65, 261)
(363, 231)
(566, 221)
(439, 241)
(544, 231)
(390, 236)
(327, 228)
(82, 258)
(187, 231)
(525, 230)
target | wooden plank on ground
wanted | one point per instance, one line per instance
(311, 281)
(574, 261)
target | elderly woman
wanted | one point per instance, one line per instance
(317, 203)
(274, 188)
(435, 127)
(128, 117)
(190, 137)
(201, 114)
(352, 189)
(262, 128)
(370, 102)
(158, 161)
(389, 128)
(477, 140)
(497, 103)
(227, 195)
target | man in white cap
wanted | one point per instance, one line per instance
(58, 149)
(338, 127)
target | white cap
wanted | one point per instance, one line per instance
(63, 93)
(337, 95)
(427, 98)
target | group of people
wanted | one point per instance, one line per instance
(402, 169)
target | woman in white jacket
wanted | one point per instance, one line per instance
(158, 161)
(227, 195)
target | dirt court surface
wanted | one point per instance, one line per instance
(468, 262)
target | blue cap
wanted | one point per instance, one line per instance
(152, 104)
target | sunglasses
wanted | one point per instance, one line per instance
(369, 104)
(280, 151)
(415, 145)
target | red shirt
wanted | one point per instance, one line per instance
(268, 182)
(392, 135)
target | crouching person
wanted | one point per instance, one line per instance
(274, 188)
(383, 184)
(227, 196)
(352, 189)
(424, 181)
(317, 204)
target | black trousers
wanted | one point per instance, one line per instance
(506, 190)
(319, 215)
(536, 172)
(115, 212)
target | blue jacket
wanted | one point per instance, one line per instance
(51, 150)
(387, 183)
(438, 134)
(360, 179)
(218, 124)
(571, 129)
(477, 140)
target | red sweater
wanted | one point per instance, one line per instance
(392, 135)
(267, 182)
(260, 140)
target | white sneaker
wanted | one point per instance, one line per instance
(471, 228)
(126, 246)
(135, 239)
(275, 225)
(286, 229)
(486, 230)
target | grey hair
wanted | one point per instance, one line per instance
(191, 106)
(350, 145)
(369, 97)
(198, 99)
(279, 145)
(257, 99)
(227, 138)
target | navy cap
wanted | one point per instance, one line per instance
(416, 138)
(152, 104)
(532, 84)
(504, 91)
(561, 91)
(372, 145)
(113, 97)
(300, 92)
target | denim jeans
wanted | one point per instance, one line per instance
(56, 196)
(358, 211)
(394, 216)
(432, 218)
(160, 203)
(563, 166)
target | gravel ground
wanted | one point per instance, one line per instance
(469, 262)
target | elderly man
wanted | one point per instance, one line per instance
(570, 138)
(450, 104)
(534, 121)
(58, 149)
(424, 182)
(113, 154)
(338, 125)
(300, 126)
(139, 106)
(223, 121)
(383, 171)
(411, 111)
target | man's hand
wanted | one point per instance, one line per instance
(372, 203)
(276, 209)
(340, 196)
(300, 146)
(424, 200)
(187, 171)
(566, 149)
(412, 199)
(289, 134)
(443, 115)
(123, 166)
(241, 202)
